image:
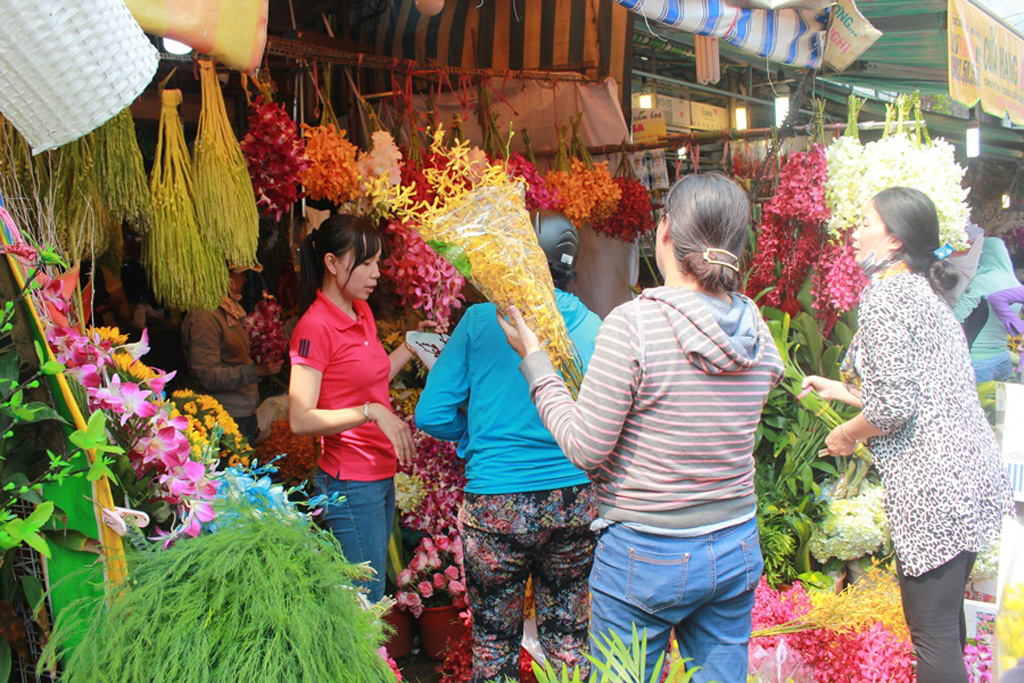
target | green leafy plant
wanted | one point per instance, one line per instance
(259, 600)
(619, 664)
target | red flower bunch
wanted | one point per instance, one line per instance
(266, 332)
(790, 236)
(412, 175)
(837, 283)
(443, 474)
(435, 575)
(422, 279)
(274, 155)
(383, 652)
(872, 654)
(633, 216)
(457, 666)
(539, 195)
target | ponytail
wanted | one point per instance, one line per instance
(338, 235)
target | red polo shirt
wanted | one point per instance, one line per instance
(355, 370)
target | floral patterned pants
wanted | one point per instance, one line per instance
(509, 537)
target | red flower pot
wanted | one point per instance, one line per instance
(399, 643)
(437, 626)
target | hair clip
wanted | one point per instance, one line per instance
(943, 251)
(709, 251)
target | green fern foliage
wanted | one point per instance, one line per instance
(259, 601)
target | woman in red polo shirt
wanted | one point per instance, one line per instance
(339, 389)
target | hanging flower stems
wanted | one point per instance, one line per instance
(225, 205)
(185, 271)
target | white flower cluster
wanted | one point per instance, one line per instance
(986, 566)
(852, 528)
(409, 492)
(857, 173)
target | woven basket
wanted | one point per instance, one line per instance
(68, 66)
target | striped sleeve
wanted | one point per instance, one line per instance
(588, 429)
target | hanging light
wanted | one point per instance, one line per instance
(175, 48)
(1006, 201)
(646, 101)
(973, 140)
(741, 118)
(781, 109)
(429, 8)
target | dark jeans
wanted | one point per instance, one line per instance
(933, 604)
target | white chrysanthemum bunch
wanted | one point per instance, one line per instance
(852, 528)
(409, 492)
(856, 175)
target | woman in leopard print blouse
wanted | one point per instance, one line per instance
(908, 367)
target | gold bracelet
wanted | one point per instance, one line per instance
(366, 412)
(842, 428)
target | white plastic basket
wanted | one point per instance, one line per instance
(68, 66)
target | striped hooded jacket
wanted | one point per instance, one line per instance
(665, 421)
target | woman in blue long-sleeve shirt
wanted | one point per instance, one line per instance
(527, 509)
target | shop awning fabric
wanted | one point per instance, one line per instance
(788, 36)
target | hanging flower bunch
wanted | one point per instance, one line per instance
(790, 237)
(435, 575)
(852, 527)
(443, 474)
(266, 331)
(633, 217)
(274, 155)
(295, 455)
(457, 666)
(857, 635)
(837, 281)
(901, 158)
(205, 414)
(587, 190)
(384, 158)
(539, 194)
(332, 173)
(139, 420)
(424, 280)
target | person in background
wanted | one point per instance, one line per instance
(908, 367)
(986, 336)
(665, 426)
(1003, 304)
(339, 390)
(527, 509)
(217, 352)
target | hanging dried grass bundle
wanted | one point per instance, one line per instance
(79, 212)
(225, 204)
(122, 175)
(185, 271)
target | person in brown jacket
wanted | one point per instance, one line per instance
(217, 351)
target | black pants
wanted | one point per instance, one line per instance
(933, 604)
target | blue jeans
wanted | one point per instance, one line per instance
(703, 587)
(999, 369)
(361, 523)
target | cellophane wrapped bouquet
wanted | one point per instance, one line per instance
(484, 230)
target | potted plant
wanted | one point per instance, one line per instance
(433, 589)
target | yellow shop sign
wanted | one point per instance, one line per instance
(985, 62)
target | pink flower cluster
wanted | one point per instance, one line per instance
(435, 575)
(266, 332)
(140, 422)
(443, 474)
(539, 195)
(978, 659)
(869, 656)
(837, 282)
(424, 280)
(383, 652)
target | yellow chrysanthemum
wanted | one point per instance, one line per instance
(110, 334)
(183, 394)
(234, 460)
(190, 408)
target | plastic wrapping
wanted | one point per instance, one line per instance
(486, 233)
(778, 664)
(1010, 617)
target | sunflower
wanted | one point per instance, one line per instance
(109, 334)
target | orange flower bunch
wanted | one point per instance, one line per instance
(332, 174)
(299, 452)
(588, 194)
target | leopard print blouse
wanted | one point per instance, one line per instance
(945, 486)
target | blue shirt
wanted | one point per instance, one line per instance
(476, 395)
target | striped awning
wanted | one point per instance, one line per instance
(788, 36)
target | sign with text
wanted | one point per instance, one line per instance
(676, 109)
(986, 62)
(708, 116)
(849, 35)
(648, 125)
